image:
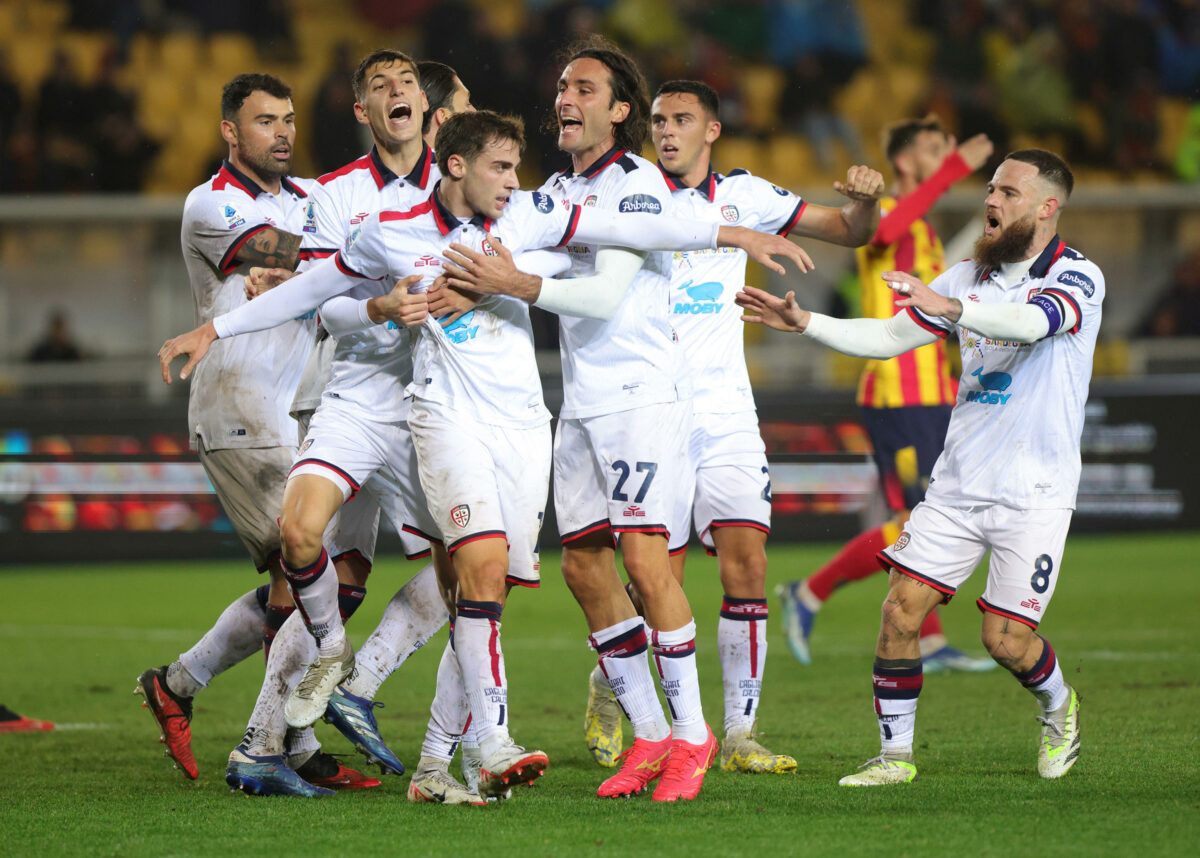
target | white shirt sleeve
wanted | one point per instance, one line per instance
(597, 296)
(1018, 323)
(342, 315)
(878, 339)
(542, 263)
(304, 292)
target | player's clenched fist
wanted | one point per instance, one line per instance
(402, 305)
(862, 183)
(259, 280)
(194, 344)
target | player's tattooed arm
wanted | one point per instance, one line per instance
(271, 248)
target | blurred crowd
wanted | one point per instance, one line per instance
(1088, 76)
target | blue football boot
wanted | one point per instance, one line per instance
(354, 718)
(268, 775)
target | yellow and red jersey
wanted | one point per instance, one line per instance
(905, 241)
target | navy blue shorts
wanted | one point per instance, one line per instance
(907, 442)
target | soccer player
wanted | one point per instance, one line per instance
(1027, 311)
(362, 405)
(477, 413)
(906, 400)
(625, 416)
(727, 486)
(249, 214)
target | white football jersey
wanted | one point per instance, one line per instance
(370, 368)
(703, 283)
(482, 366)
(634, 358)
(242, 391)
(1014, 432)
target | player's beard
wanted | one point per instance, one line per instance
(265, 164)
(1011, 245)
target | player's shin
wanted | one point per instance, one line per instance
(742, 642)
(315, 589)
(1045, 679)
(622, 651)
(449, 711)
(674, 654)
(481, 660)
(235, 635)
(897, 684)
(291, 651)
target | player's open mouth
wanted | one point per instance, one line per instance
(568, 123)
(991, 224)
(670, 151)
(282, 152)
(400, 113)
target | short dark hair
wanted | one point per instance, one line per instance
(707, 96)
(468, 134)
(383, 55)
(899, 136)
(1050, 167)
(238, 90)
(438, 83)
(627, 83)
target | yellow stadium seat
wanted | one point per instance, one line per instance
(29, 61)
(46, 17)
(87, 50)
(179, 55)
(231, 54)
(1172, 123)
(791, 162)
(731, 153)
(761, 87)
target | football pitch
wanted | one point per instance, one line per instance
(1123, 622)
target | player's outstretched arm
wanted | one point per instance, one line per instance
(918, 295)
(1019, 323)
(763, 308)
(194, 344)
(869, 338)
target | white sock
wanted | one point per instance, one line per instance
(742, 643)
(293, 649)
(675, 658)
(236, 635)
(411, 618)
(448, 712)
(897, 686)
(1045, 680)
(315, 589)
(622, 651)
(481, 659)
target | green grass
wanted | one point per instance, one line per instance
(1123, 622)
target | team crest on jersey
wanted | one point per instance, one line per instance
(730, 213)
(486, 247)
(639, 203)
(233, 218)
(461, 515)
(1079, 281)
(310, 217)
(901, 542)
(590, 201)
(543, 202)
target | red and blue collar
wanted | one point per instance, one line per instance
(596, 167)
(231, 175)
(383, 175)
(1041, 265)
(707, 186)
(447, 222)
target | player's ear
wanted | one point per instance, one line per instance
(713, 132)
(457, 165)
(360, 113)
(619, 112)
(1049, 208)
(229, 132)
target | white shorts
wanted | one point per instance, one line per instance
(484, 481)
(727, 483)
(249, 484)
(355, 527)
(620, 472)
(941, 546)
(358, 454)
